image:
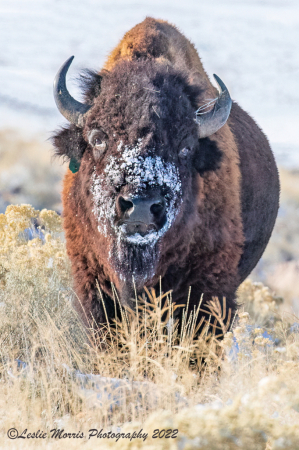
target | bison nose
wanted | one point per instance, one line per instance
(145, 210)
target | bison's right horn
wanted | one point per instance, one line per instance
(211, 121)
(72, 110)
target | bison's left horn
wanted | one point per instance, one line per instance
(211, 121)
(72, 110)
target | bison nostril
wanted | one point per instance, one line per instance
(141, 210)
(125, 205)
(157, 209)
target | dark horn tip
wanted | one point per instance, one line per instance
(220, 83)
(63, 69)
(69, 61)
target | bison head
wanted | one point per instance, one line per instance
(143, 145)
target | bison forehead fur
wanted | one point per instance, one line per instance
(153, 197)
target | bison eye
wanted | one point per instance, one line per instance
(184, 152)
(99, 145)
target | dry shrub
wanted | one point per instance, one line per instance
(148, 374)
(258, 300)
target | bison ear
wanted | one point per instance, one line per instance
(69, 143)
(208, 156)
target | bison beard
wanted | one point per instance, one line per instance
(196, 178)
(135, 264)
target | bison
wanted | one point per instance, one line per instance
(168, 178)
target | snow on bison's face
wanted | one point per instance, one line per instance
(144, 151)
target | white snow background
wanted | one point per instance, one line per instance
(253, 45)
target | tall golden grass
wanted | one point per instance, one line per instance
(142, 372)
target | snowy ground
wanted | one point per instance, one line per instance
(251, 44)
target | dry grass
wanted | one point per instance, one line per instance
(244, 396)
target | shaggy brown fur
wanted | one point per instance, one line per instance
(230, 188)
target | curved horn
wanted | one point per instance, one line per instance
(211, 121)
(72, 110)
